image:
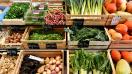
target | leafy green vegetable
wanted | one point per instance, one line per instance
(91, 34)
(39, 35)
(17, 10)
(96, 62)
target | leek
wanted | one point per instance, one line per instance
(85, 7)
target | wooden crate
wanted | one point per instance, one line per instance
(17, 61)
(87, 19)
(40, 53)
(111, 61)
(123, 17)
(42, 44)
(2, 37)
(16, 21)
(70, 52)
(13, 45)
(119, 44)
(92, 44)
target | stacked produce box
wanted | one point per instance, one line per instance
(66, 37)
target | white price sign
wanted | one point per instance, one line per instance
(115, 20)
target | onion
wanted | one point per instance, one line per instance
(60, 72)
(47, 60)
(53, 72)
(61, 66)
(52, 67)
(58, 58)
(48, 71)
(58, 62)
(47, 66)
(50, 62)
(54, 61)
(44, 72)
(57, 69)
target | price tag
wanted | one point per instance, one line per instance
(33, 46)
(47, 28)
(36, 58)
(83, 43)
(51, 46)
(78, 21)
(115, 20)
(12, 52)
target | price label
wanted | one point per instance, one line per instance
(12, 52)
(36, 58)
(33, 46)
(115, 20)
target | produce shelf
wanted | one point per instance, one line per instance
(66, 36)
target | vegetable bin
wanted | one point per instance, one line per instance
(74, 66)
(32, 61)
(8, 63)
(40, 43)
(13, 38)
(123, 55)
(17, 18)
(86, 42)
(119, 43)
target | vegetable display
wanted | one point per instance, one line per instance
(17, 11)
(55, 17)
(85, 7)
(7, 65)
(86, 62)
(122, 31)
(120, 7)
(14, 38)
(122, 61)
(35, 16)
(91, 34)
(51, 65)
(39, 35)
